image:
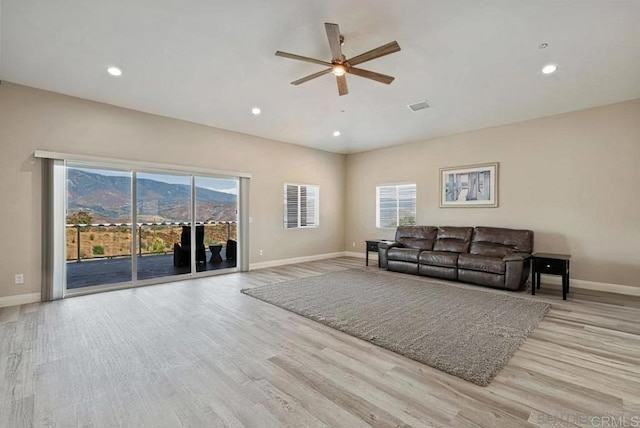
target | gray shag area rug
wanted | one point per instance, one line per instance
(470, 334)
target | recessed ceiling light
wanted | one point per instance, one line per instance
(336, 133)
(550, 68)
(114, 71)
(256, 111)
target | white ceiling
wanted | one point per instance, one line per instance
(210, 61)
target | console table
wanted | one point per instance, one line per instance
(550, 264)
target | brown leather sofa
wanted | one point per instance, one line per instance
(490, 256)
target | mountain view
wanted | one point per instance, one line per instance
(106, 199)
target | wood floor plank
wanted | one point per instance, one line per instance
(345, 398)
(199, 353)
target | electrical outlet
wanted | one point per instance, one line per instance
(353, 244)
(261, 252)
(19, 279)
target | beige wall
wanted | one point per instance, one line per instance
(31, 119)
(574, 179)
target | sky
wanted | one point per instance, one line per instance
(217, 184)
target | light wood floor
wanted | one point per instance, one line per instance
(200, 354)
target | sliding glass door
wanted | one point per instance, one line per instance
(135, 227)
(216, 212)
(163, 224)
(98, 226)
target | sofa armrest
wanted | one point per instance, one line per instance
(515, 257)
(517, 270)
(389, 245)
(383, 247)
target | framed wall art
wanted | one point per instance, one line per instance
(469, 186)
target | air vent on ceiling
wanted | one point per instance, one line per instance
(421, 105)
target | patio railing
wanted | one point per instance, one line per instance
(111, 240)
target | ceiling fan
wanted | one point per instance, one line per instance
(339, 65)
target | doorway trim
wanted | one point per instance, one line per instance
(139, 165)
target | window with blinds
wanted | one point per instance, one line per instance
(301, 206)
(396, 205)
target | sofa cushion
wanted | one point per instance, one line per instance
(454, 239)
(438, 258)
(421, 237)
(454, 232)
(404, 254)
(451, 245)
(422, 244)
(417, 232)
(490, 250)
(481, 263)
(482, 278)
(403, 267)
(438, 272)
(499, 242)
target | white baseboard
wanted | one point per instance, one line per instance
(627, 290)
(19, 299)
(282, 262)
(372, 256)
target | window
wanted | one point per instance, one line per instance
(396, 205)
(301, 206)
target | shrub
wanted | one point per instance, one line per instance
(407, 221)
(98, 250)
(157, 246)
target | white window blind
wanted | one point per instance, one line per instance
(301, 206)
(396, 205)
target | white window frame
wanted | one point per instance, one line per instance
(316, 206)
(397, 187)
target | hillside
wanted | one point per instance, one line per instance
(107, 199)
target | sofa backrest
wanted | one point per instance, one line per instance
(421, 237)
(500, 242)
(453, 239)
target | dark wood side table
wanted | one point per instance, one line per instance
(372, 245)
(550, 264)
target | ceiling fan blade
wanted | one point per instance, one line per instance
(311, 76)
(387, 49)
(302, 58)
(382, 78)
(342, 85)
(333, 34)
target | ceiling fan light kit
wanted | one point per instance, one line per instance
(339, 70)
(340, 66)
